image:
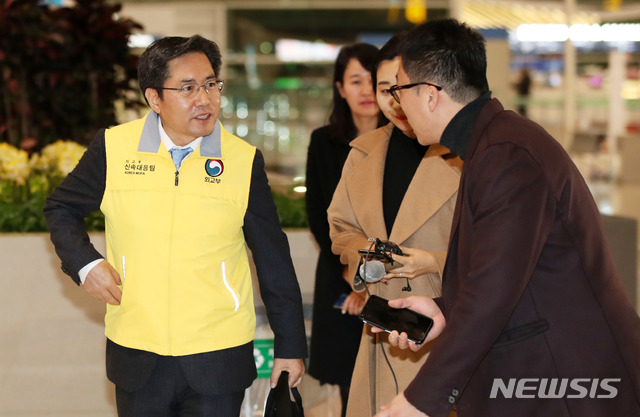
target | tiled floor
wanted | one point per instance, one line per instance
(52, 351)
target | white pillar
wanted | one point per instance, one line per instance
(455, 9)
(617, 110)
(569, 81)
(219, 32)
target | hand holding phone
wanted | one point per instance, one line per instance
(378, 313)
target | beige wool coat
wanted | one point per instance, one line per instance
(423, 221)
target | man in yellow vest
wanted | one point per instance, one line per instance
(181, 198)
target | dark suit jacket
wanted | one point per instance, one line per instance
(215, 372)
(530, 289)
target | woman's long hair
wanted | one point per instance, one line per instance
(341, 126)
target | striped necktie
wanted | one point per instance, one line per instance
(178, 154)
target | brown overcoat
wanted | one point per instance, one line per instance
(423, 222)
(531, 293)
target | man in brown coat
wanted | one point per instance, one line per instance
(537, 321)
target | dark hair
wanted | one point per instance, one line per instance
(153, 66)
(341, 126)
(450, 54)
(388, 52)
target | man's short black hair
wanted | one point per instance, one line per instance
(153, 67)
(450, 54)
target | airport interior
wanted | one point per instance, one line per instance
(583, 57)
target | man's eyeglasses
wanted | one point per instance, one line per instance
(192, 89)
(393, 90)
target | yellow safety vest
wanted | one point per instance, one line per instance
(177, 241)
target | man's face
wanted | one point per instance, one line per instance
(187, 118)
(414, 102)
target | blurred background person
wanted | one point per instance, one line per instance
(394, 189)
(335, 333)
(523, 90)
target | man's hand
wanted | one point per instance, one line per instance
(295, 367)
(354, 302)
(422, 305)
(400, 407)
(102, 284)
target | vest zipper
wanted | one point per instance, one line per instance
(171, 278)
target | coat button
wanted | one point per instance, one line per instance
(452, 399)
(455, 392)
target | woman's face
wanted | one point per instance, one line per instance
(357, 90)
(386, 74)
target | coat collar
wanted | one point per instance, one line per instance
(458, 132)
(364, 181)
(434, 182)
(150, 141)
(487, 114)
(490, 110)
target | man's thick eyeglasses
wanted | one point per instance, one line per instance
(192, 89)
(393, 90)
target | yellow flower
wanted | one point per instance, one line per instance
(14, 164)
(60, 157)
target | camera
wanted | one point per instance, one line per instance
(376, 262)
(381, 250)
(387, 247)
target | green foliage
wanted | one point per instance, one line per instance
(21, 208)
(25, 184)
(25, 216)
(23, 212)
(291, 210)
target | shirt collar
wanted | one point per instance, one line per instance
(150, 140)
(457, 134)
(168, 143)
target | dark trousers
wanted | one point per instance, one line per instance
(167, 394)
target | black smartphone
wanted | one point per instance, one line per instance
(378, 313)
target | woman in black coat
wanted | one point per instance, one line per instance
(336, 331)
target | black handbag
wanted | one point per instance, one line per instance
(279, 402)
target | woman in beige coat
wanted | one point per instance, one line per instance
(381, 167)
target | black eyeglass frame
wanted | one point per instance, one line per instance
(219, 85)
(394, 88)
